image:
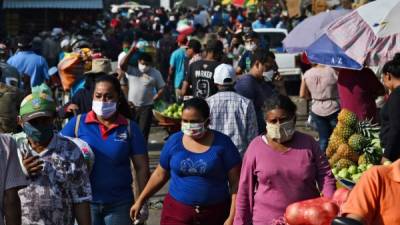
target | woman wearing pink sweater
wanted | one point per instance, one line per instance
(280, 167)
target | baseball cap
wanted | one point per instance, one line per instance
(224, 74)
(38, 104)
(214, 45)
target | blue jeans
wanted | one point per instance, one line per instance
(325, 126)
(111, 214)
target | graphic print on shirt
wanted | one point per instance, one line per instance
(203, 87)
(121, 136)
(189, 167)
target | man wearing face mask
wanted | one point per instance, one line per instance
(252, 42)
(58, 190)
(146, 85)
(252, 85)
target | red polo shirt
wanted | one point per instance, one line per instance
(92, 118)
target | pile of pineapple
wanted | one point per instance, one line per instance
(354, 146)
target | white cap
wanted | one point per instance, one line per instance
(222, 72)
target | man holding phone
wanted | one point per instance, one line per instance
(58, 190)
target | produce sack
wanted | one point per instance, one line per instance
(70, 69)
(317, 211)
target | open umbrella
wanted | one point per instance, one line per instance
(368, 36)
(310, 29)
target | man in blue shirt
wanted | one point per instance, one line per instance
(261, 23)
(177, 65)
(252, 85)
(32, 67)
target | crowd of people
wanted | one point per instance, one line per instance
(238, 158)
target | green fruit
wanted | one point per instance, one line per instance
(356, 177)
(362, 167)
(352, 170)
(343, 173)
(335, 171)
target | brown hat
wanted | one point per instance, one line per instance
(100, 65)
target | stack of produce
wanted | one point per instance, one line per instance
(354, 146)
(173, 111)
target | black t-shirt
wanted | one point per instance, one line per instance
(390, 126)
(201, 77)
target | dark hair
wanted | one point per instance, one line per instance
(195, 45)
(393, 66)
(122, 103)
(145, 57)
(239, 37)
(24, 42)
(260, 55)
(214, 46)
(198, 104)
(278, 101)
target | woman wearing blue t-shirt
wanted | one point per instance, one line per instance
(201, 163)
(116, 142)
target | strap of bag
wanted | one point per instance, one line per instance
(77, 123)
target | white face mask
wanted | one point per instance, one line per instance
(194, 130)
(143, 68)
(104, 109)
(268, 75)
(281, 132)
(250, 46)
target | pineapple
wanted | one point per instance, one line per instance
(344, 163)
(348, 118)
(329, 152)
(368, 129)
(363, 159)
(345, 152)
(372, 155)
(333, 160)
(343, 131)
(335, 141)
(357, 142)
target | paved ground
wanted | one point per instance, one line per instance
(156, 141)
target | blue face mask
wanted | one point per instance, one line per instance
(40, 133)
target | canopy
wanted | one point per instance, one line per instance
(52, 4)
